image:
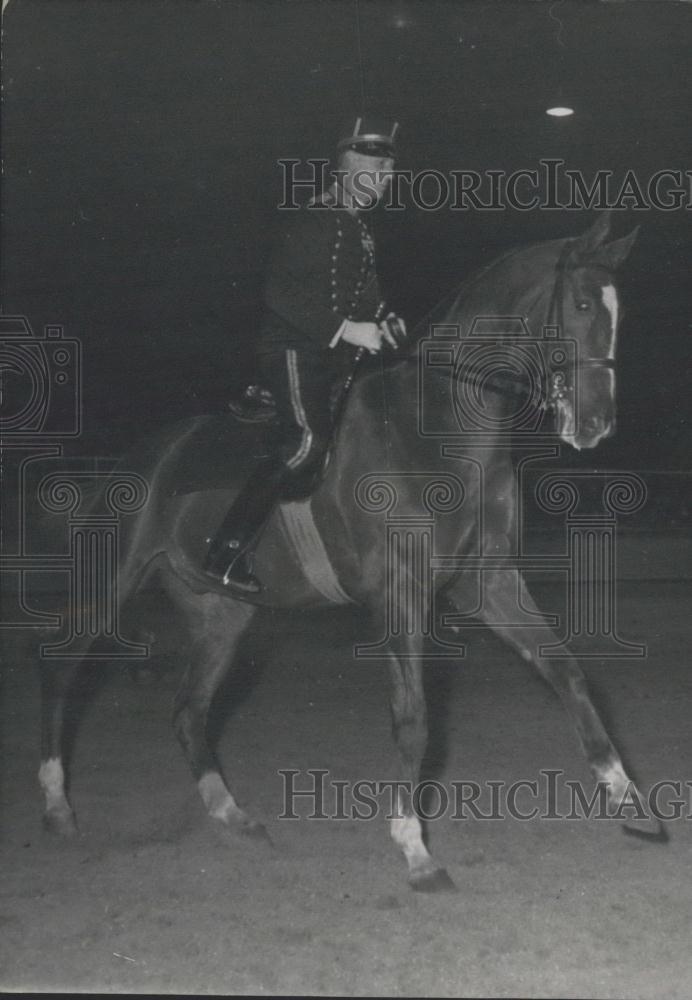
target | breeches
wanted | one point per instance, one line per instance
(303, 385)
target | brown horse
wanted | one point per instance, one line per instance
(382, 452)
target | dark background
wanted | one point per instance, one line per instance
(141, 142)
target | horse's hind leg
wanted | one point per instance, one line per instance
(56, 680)
(565, 676)
(57, 676)
(216, 624)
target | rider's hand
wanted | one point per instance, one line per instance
(388, 336)
(367, 335)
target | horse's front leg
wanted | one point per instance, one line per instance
(498, 609)
(410, 729)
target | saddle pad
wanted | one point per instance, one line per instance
(301, 530)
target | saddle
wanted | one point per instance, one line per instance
(224, 448)
(256, 404)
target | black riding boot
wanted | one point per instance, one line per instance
(227, 558)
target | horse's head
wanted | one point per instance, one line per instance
(585, 307)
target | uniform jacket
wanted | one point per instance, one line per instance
(321, 272)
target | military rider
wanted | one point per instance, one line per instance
(322, 304)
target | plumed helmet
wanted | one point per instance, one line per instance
(370, 136)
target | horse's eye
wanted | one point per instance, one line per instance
(583, 305)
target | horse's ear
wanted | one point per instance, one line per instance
(613, 254)
(593, 237)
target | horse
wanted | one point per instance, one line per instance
(568, 282)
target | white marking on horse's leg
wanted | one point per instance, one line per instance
(52, 780)
(610, 301)
(218, 800)
(619, 785)
(222, 806)
(58, 817)
(407, 834)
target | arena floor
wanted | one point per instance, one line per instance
(151, 897)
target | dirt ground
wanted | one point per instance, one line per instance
(151, 897)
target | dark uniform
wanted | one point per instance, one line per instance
(321, 276)
(322, 272)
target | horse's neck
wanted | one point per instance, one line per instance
(387, 405)
(516, 284)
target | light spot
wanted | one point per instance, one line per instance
(610, 301)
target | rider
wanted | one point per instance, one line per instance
(322, 301)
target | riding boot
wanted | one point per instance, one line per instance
(228, 555)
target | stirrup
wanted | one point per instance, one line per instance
(229, 567)
(255, 405)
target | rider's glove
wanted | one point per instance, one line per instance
(367, 335)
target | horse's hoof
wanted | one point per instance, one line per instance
(435, 881)
(648, 829)
(60, 824)
(256, 831)
(228, 832)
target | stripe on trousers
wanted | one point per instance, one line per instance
(298, 411)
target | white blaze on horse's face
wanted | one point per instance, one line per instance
(610, 301)
(586, 416)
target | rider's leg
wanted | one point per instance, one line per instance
(301, 384)
(227, 557)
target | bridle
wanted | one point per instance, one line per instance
(560, 384)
